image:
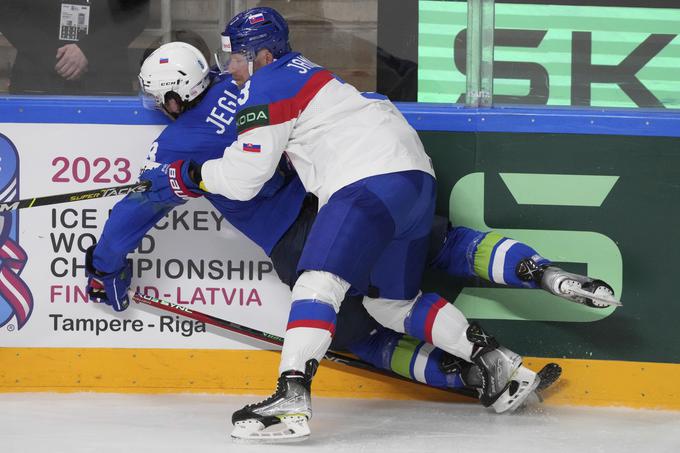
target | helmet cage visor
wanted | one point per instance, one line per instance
(149, 100)
(228, 56)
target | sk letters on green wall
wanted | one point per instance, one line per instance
(600, 253)
(557, 55)
(600, 205)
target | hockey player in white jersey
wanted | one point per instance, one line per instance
(376, 191)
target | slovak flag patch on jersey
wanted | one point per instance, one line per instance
(251, 148)
(256, 18)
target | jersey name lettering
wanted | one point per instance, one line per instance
(228, 104)
(302, 64)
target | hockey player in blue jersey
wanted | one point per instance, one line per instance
(367, 339)
(376, 188)
(278, 219)
(203, 126)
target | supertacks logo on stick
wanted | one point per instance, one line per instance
(16, 299)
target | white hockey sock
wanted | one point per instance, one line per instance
(302, 344)
(311, 324)
(429, 317)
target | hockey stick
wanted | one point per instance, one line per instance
(272, 339)
(75, 196)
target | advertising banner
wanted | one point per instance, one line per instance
(578, 55)
(595, 193)
(600, 205)
(192, 257)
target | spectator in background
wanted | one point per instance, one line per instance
(72, 47)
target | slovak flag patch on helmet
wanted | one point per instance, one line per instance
(164, 60)
(251, 148)
(256, 18)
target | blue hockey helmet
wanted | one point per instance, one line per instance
(255, 29)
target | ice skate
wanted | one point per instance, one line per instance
(574, 287)
(504, 383)
(281, 417)
(472, 378)
(578, 288)
(549, 374)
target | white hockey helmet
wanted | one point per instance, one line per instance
(175, 70)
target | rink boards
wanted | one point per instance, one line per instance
(583, 383)
(592, 190)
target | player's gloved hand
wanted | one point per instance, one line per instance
(174, 182)
(108, 288)
(160, 190)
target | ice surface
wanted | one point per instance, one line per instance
(102, 423)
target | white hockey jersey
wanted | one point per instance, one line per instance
(331, 133)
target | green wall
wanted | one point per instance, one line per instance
(605, 205)
(576, 55)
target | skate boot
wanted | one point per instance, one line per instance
(503, 382)
(465, 372)
(576, 288)
(472, 378)
(288, 409)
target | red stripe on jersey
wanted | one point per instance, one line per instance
(287, 109)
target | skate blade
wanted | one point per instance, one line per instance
(533, 399)
(510, 403)
(601, 298)
(292, 428)
(548, 375)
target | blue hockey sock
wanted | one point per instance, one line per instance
(470, 253)
(406, 356)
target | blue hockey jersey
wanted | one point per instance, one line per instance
(199, 134)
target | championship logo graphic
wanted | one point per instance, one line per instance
(16, 299)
